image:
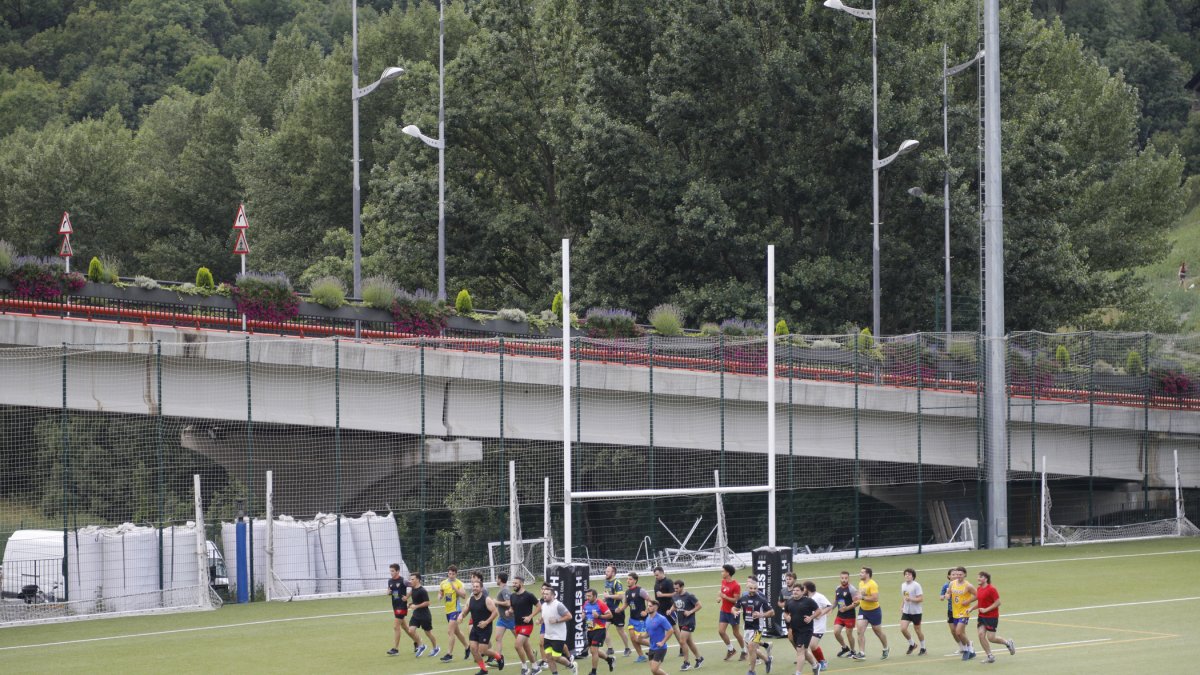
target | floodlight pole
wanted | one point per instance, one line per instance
(771, 396)
(566, 396)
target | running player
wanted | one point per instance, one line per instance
(686, 606)
(728, 597)
(789, 580)
(524, 606)
(452, 592)
(504, 606)
(664, 593)
(798, 613)
(869, 613)
(756, 610)
(846, 597)
(987, 600)
(962, 596)
(824, 609)
(483, 612)
(596, 615)
(418, 605)
(398, 590)
(635, 600)
(658, 631)
(555, 617)
(614, 593)
(911, 607)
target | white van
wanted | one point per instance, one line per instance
(34, 558)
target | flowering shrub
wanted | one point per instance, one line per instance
(1170, 383)
(418, 313)
(265, 297)
(44, 279)
(610, 323)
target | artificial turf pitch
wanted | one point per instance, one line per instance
(1127, 607)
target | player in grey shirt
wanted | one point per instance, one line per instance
(912, 601)
(554, 618)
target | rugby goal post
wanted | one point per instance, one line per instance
(1053, 534)
(570, 496)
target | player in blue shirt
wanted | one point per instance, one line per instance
(658, 630)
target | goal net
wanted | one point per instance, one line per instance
(1177, 525)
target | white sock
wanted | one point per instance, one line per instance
(911, 643)
(922, 644)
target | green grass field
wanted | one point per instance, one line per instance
(1124, 607)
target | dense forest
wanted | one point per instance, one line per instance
(670, 141)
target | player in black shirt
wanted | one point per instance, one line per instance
(524, 605)
(686, 607)
(756, 610)
(483, 612)
(398, 592)
(420, 618)
(798, 613)
(664, 593)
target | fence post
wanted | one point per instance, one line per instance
(920, 467)
(1146, 429)
(66, 476)
(162, 498)
(1091, 423)
(421, 451)
(857, 468)
(249, 473)
(337, 450)
(653, 482)
(504, 484)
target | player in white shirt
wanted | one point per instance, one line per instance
(816, 657)
(911, 607)
(555, 617)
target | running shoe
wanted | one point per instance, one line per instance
(393, 652)
(419, 651)
(467, 653)
(970, 655)
(436, 651)
(845, 653)
(500, 663)
(699, 662)
(447, 657)
(728, 654)
(824, 665)
(886, 651)
(628, 651)
(611, 662)
(911, 648)
(990, 659)
(1012, 647)
(686, 666)
(641, 659)
(743, 656)
(966, 655)
(574, 668)
(769, 662)
(922, 652)
(860, 656)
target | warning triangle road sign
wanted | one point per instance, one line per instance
(64, 227)
(239, 221)
(242, 247)
(65, 251)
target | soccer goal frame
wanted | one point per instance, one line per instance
(569, 496)
(1070, 535)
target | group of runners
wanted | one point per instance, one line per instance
(647, 619)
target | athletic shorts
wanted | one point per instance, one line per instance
(618, 620)
(452, 616)
(556, 647)
(818, 636)
(421, 621)
(914, 619)
(753, 636)
(801, 639)
(481, 635)
(688, 624)
(950, 616)
(659, 655)
(400, 612)
(961, 620)
(871, 616)
(638, 625)
(729, 618)
(989, 623)
(847, 621)
(525, 629)
(508, 624)
(596, 637)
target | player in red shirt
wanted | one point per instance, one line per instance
(730, 592)
(987, 604)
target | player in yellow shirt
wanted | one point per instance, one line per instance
(962, 596)
(869, 613)
(452, 591)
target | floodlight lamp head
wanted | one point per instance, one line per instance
(907, 145)
(412, 130)
(391, 74)
(916, 192)
(834, 4)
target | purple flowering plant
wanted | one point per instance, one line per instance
(44, 279)
(265, 297)
(419, 313)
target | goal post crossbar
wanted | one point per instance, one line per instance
(668, 492)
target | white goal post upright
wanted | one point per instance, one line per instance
(203, 599)
(546, 534)
(566, 392)
(270, 550)
(1045, 504)
(516, 553)
(1179, 518)
(771, 396)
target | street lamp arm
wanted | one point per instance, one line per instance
(904, 147)
(852, 11)
(415, 131)
(387, 76)
(963, 66)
